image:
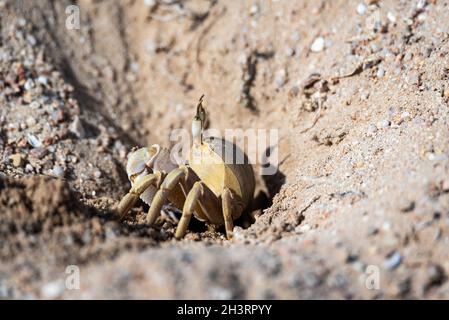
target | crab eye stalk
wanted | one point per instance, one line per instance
(198, 122)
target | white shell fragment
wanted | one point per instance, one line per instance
(317, 45)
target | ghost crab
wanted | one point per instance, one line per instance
(207, 186)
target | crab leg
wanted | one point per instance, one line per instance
(170, 182)
(226, 199)
(187, 210)
(132, 196)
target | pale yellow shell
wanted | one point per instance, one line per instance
(220, 164)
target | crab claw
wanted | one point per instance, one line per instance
(145, 161)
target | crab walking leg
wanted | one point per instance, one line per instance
(187, 210)
(131, 197)
(170, 182)
(226, 199)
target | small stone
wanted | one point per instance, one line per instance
(405, 116)
(149, 3)
(445, 185)
(380, 73)
(289, 52)
(393, 261)
(317, 45)
(29, 168)
(97, 174)
(361, 9)
(31, 40)
(29, 84)
(281, 78)
(421, 4)
(414, 78)
(38, 153)
(303, 228)
(372, 129)
(17, 160)
(57, 171)
(30, 121)
(34, 141)
(52, 290)
(254, 10)
(76, 127)
(407, 206)
(58, 116)
(43, 80)
(391, 17)
(364, 95)
(384, 123)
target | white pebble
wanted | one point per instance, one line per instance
(317, 45)
(372, 129)
(361, 9)
(393, 261)
(391, 17)
(43, 80)
(52, 290)
(29, 84)
(281, 78)
(384, 123)
(420, 4)
(149, 3)
(405, 115)
(380, 73)
(57, 171)
(34, 141)
(254, 9)
(76, 127)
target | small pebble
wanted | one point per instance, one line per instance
(406, 205)
(57, 171)
(391, 17)
(97, 174)
(405, 116)
(76, 127)
(384, 123)
(393, 261)
(289, 52)
(149, 3)
(380, 73)
(317, 45)
(29, 84)
(17, 160)
(414, 78)
(372, 129)
(281, 78)
(361, 9)
(31, 40)
(38, 153)
(30, 121)
(254, 10)
(43, 80)
(52, 290)
(420, 4)
(34, 141)
(303, 228)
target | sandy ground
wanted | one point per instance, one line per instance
(358, 208)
